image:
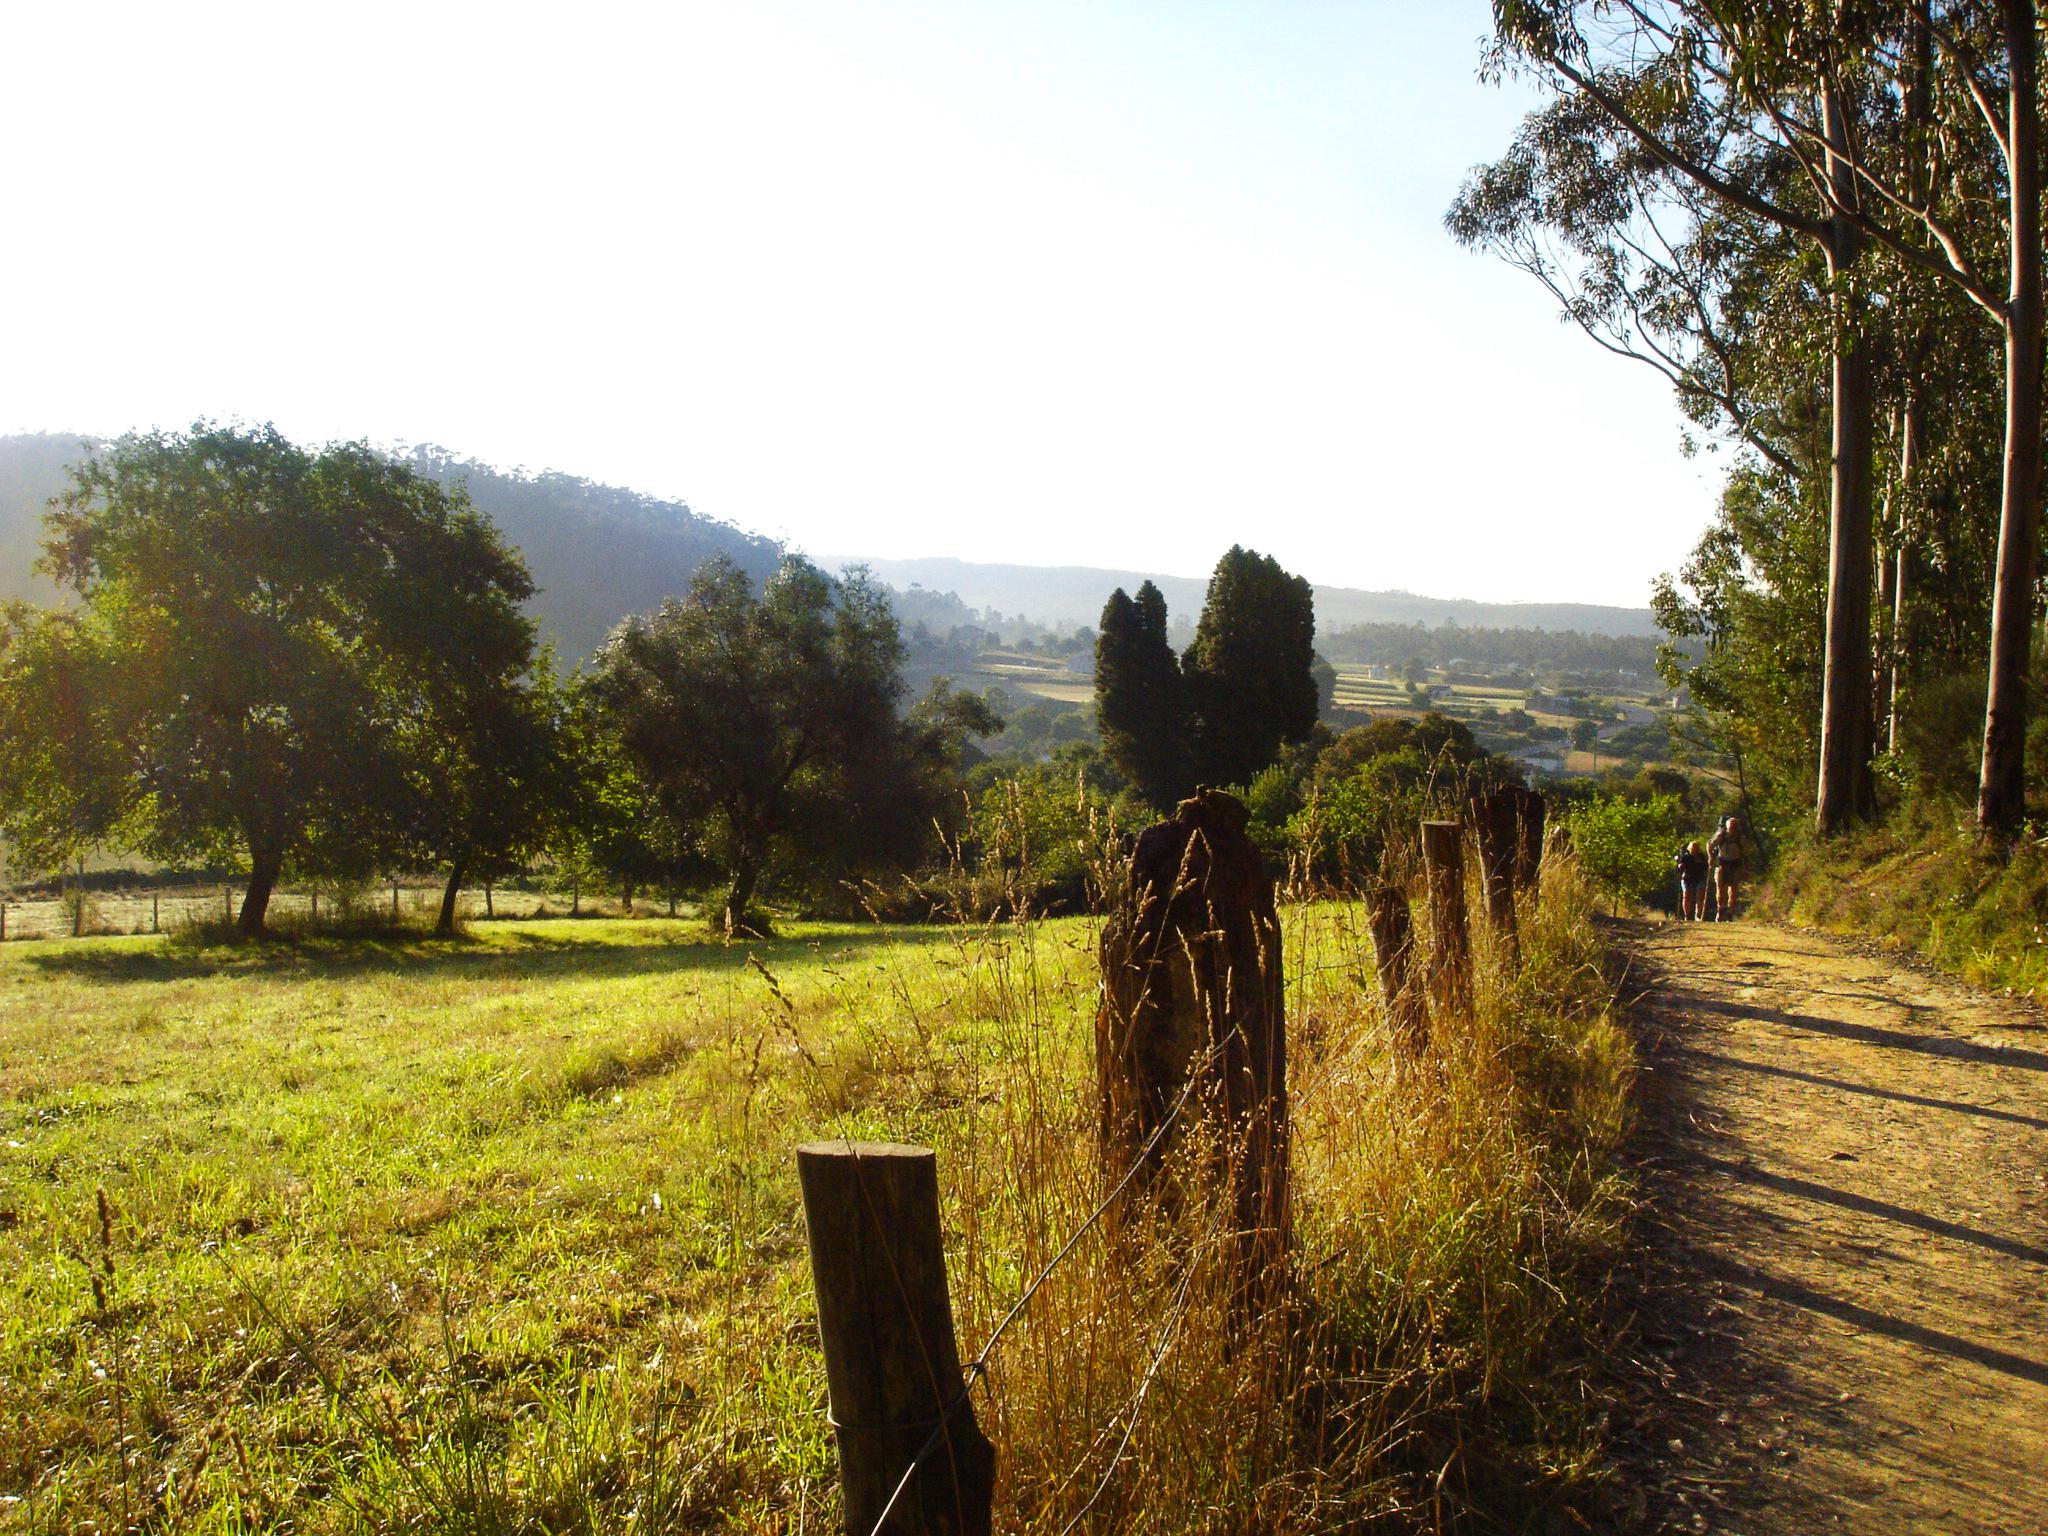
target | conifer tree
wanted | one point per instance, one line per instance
(1249, 674)
(1140, 699)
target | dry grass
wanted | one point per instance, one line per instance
(502, 1235)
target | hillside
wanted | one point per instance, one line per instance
(597, 552)
(1072, 595)
(31, 472)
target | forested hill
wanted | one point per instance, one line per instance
(31, 472)
(1067, 596)
(598, 552)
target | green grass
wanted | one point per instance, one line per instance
(501, 1233)
(1922, 881)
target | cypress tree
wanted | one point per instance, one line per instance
(1249, 674)
(1140, 702)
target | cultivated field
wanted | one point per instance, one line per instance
(501, 1233)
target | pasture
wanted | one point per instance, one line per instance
(501, 1233)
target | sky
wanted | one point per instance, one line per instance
(1093, 283)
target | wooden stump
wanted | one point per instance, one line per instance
(891, 1362)
(1192, 1014)
(1529, 823)
(1450, 950)
(1393, 935)
(1494, 817)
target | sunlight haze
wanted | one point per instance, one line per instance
(1085, 284)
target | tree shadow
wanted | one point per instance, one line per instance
(1948, 1046)
(511, 954)
(1891, 1095)
(1884, 1210)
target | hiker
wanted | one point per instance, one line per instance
(1728, 849)
(1692, 882)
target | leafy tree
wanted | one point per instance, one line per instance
(767, 723)
(496, 778)
(1250, 671)
(1141, 699)
(272, 630)
(64, 792)
(1626, 845)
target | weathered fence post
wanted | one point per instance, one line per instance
(891, 1362)
(1393, 936)
(1450, 950)
(154, 926)
(1493, 819)
(1530, 813)
(1192, 1019)
(3, 920)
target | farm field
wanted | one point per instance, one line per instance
(501, 1233)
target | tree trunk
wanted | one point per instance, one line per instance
(2001, 788)
(1846, 790)
(739, 896)
(445, 923)
(264, 867)
(1895, 659)
(489, 910)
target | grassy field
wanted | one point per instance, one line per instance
(501, 1233)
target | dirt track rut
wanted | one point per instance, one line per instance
(1844, 1310)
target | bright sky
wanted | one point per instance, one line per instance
(1090, 282)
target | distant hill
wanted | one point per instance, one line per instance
(31, 472)
(1072, 595)
(597, 552)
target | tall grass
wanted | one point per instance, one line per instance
(1923, 880)
(393, 1354)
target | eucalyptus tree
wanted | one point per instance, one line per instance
(1759, 112)
(1909, 127)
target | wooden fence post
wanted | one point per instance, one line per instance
(1193, 1014)
(154, 927)
(1450, 951)
(891, 1361)
(1393, 935)
(1493, 823)
(1530, 814)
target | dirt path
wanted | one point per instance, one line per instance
(1844, 1311)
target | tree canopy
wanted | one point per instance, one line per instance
(1245, 688)
(266, 641)
(767, 724)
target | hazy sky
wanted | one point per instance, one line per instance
(1096, 283)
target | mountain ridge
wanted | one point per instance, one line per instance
(599, 552)
(1062, 596)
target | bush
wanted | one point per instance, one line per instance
(1626, 845)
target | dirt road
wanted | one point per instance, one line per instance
(1843, 1318)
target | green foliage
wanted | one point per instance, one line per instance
(1372, 784)
(766, 724)
(1250, 671)
(1922, 881)
(278, 654)
(1141, 699)
(1626, 845)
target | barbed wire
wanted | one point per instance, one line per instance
(977, 1369)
